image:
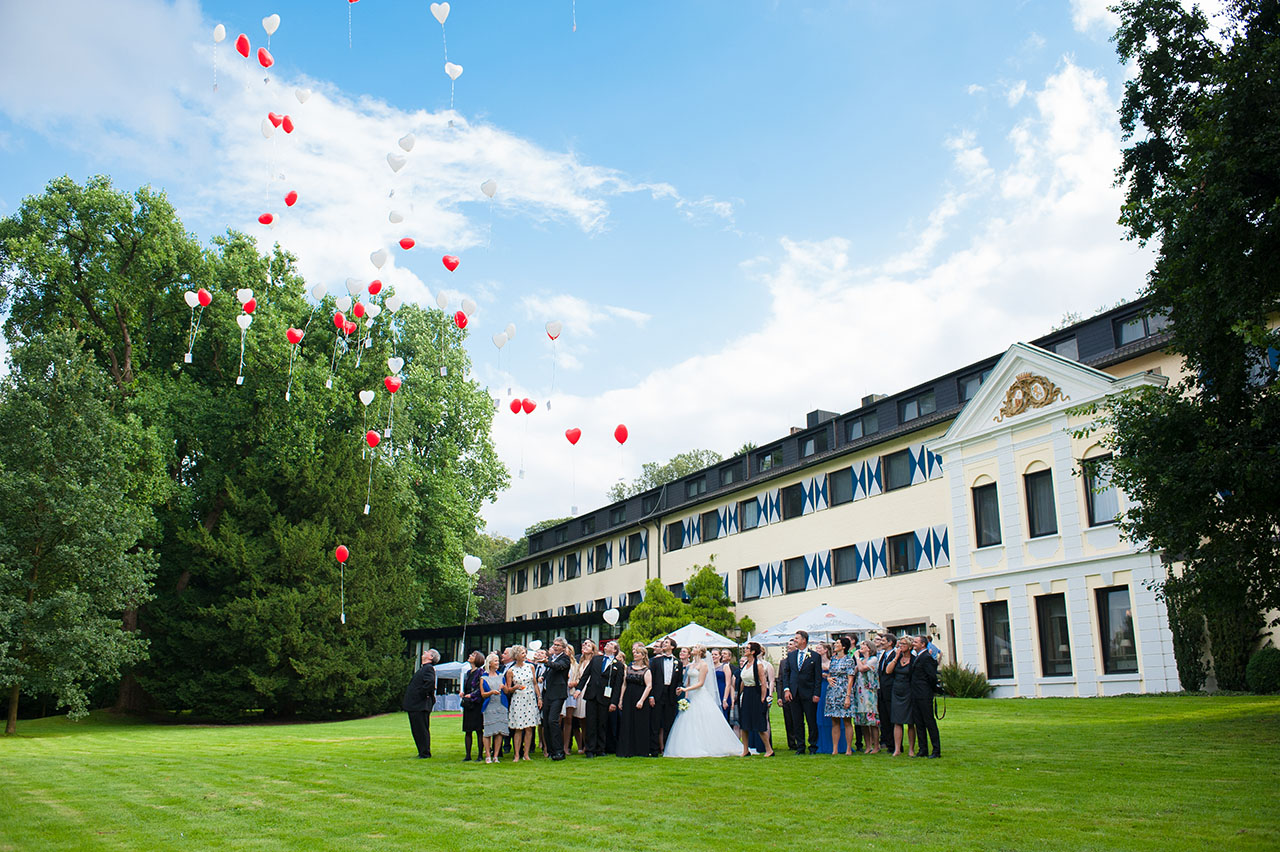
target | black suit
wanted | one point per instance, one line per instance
(600, 685)
(419, 698)
(924, 677)
(783, 672)
(555, 689)
(885, 700)
(664, 700)
(804, 679)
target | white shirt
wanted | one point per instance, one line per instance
(668, 665)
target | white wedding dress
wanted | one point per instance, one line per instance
(701, 731)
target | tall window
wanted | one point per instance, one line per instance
(844, 565)
(572, 566)
(748, 514)
(675, 536)
(769, 460)
(1115, 622)
(677, 589)
(897, 470)
(694, 487)
(634, 598)
(918, 406)
(902, 553)
(1042, 519)
(522, 580)
(840, 483)
(602, 558)
(995, 631)
(1055, 644)
(860, 427)
(794, 569)
(710, 524)
(634, 547)
(1100, 496)
(986, 515)
(546, 577)
(792, 501)
(752, 586)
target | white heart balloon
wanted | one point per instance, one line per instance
(611, 616)
(554, 328)
(393, 303)
(468, 307)
(244, 294)
(366, 396)
(511, 331)
(489, 187)
(406, 141)
(440, 11)
(499, 340)
(396, 161)
(442, 299)
(191, 298)
(535, 645)
(378, 258)
(318, 291)
(219, 33)
(354, 287)
(302, 95)
(471, 564)
(267, 128)
(244, 321)
(373, 310)
(453, 70)
(395, 217)
(343, 303)
(271, 23)
(395, 365)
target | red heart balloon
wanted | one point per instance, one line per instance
(528, 405)
(250, 305)
(294, 335)
(372, 438)
(392, 383)
(276, 120)
(349, 327)
(406, 243)
(450, 262)
(266, 219)
(341, 553)
(573, 435)
(620, 434)
(460, 319)
(264, 58)
(358, 310)
(515, 406)
(242, 45)
(291, 199)
(375, 287)
(204, 297)
(286, 124)
(339, 320)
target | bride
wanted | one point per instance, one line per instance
(701, 731)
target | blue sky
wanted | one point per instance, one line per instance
(740, 210)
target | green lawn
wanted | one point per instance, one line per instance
(1159, 773)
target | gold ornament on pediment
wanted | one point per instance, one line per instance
(1029, 391)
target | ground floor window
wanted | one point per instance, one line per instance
(1115, 623)
(1055, 645)
(996, 636)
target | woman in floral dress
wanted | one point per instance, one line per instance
(866, 697)
(839, 704)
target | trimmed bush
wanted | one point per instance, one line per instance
(963, 682)
(1263, 672)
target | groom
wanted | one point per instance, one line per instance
(554, 692)
(666, 674)
(801, 690)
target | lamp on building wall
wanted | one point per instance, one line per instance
(933, 631)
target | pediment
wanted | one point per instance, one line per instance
(1029, 384)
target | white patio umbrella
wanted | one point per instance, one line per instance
(825, 620)
(695, 634)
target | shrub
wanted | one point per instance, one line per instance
(963, 682)
(1263, 671)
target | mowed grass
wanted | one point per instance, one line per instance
(1159, 773)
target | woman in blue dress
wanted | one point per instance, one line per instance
(838, 703)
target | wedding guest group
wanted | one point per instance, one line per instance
(837, 697)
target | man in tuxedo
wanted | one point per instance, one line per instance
(885, 643)
(801, 691)
(600, 682)
(924, 677)
(784, 669)
(419, 698)
(667, 673)
(554, 692)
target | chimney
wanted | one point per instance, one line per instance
(813, 418)
(870, 398)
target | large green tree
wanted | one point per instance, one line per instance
(709, 605)
(1201, 176)
(248, 605)
(77, 482)
(660, 613)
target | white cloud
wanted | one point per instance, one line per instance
(1016, 92)
(837, 330)
(975, 89)
(1087, 14)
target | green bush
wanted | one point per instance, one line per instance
(1263, 672)
(963, 682)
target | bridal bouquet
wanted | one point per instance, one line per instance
(683, 704)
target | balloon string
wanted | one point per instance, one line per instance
(444, 39)
(553, 372)
(575, 16)
(348, 26)
(451, 82)
(289, 387)
(342, 580)
(215, 67)
(333, 362)
(368, 495)
(391, 410)
(240, 377)
(488, 240)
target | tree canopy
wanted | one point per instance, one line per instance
(653, 474)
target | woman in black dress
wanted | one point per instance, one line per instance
(900, 702)
(472, 704)
(754, 699)
(633, 705)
